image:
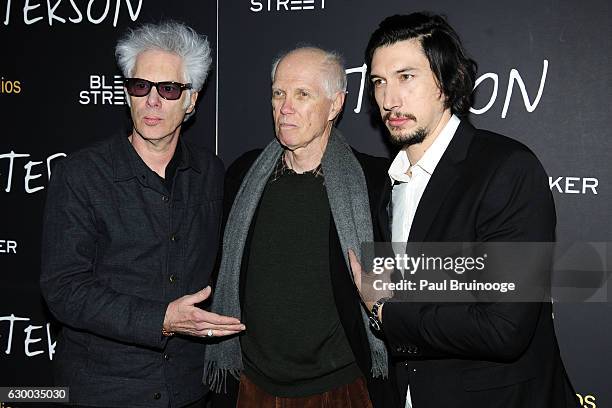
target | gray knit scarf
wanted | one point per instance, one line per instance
(348, 200)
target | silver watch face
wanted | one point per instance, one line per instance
(374, 323)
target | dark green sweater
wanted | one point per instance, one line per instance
(294, 344)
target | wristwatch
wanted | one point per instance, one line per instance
(374, 322)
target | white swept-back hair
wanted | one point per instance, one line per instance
(172, 37)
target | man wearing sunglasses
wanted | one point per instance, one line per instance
(127, 257)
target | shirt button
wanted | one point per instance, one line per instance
(165, 199)
(414, 370)
(166, 357)
(174, 238)
(173, 278)
(157, 395)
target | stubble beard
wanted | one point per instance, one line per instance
(398, 138)
(404, 140)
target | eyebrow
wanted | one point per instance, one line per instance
(399, 71)
(298, 88)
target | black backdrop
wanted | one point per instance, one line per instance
(545, 76)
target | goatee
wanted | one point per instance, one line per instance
(403, 141)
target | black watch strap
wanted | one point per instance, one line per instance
(374, 322)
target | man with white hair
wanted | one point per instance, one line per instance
(131, 235)
(298, 206)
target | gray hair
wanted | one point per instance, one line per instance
(172, 37)
(334, 80)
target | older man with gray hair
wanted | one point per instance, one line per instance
(298, 207)
(131, 235)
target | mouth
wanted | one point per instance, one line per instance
(286, 126)
(398, 120)
(152, 120)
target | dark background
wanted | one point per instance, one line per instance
(515, 43)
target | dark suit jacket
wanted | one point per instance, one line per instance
(486, 187)
(382, 392)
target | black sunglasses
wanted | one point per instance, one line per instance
(168, 90)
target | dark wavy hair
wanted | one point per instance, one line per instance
(454, 71)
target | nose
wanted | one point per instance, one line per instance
(391, 98)
(153, 98)
(286, 106)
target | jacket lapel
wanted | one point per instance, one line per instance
(441, 181)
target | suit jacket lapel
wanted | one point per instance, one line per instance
(442, 179)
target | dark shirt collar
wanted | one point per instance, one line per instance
(128, 164)
(281, 169)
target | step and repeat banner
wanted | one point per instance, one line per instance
(544, 78)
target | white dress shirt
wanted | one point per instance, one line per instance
(410, 183)
(411, 180)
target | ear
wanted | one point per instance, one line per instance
(441, 95)
(192, 102)
(336, 105)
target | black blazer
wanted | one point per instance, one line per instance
(382, 392)
(486, 187)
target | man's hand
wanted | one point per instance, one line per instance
(365, 283)
(185, 318)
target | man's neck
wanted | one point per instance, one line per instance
(416, 151)
(309, 157)
(155, 153)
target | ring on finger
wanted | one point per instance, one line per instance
(209, 333)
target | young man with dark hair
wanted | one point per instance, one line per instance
(451, 182)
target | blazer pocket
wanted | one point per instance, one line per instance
(497, 376)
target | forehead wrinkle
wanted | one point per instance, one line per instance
(303, 68)
(296, 83)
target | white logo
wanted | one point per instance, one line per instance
(8, 246)
(103, 91)
(574, 185)
(32, 14)
(30, 338)
(28, 178)
(514, 78)
(286, 5)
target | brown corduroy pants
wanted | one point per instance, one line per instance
(353, 395)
